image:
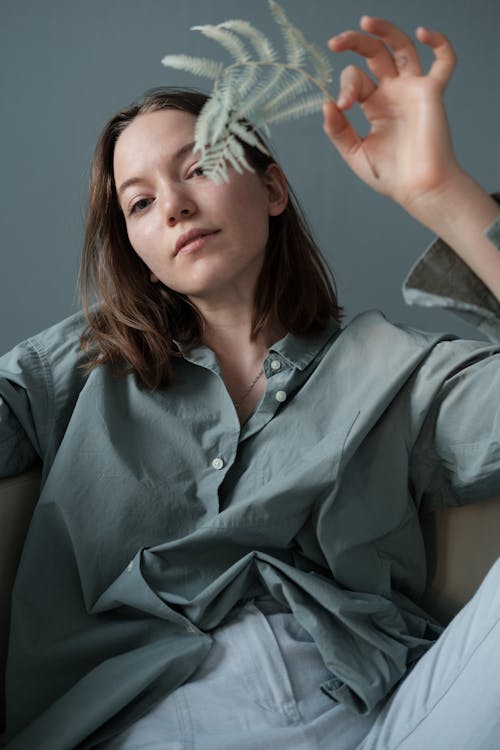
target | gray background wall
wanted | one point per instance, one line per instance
(67, 65)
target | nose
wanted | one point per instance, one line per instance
(178, 206)
(184, 213)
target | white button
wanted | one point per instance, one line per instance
(130, 566)
(280, 396)
(275, 365)
(217, 463)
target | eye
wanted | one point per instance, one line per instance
(140, 205)
(197, 172)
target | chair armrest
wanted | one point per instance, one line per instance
(462, 544)
(18, 496)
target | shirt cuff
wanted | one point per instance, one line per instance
(440, 278)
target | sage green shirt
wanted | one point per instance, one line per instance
(159, 513)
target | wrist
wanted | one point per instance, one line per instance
(457, 205)
(441, 205)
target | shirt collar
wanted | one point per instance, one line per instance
(297, 351)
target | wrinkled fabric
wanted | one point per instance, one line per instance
(258, 684)
(159, 513)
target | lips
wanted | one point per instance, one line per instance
(191, 236)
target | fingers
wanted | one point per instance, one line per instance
(404, 54)
(445, 56)
(389, 52)
(378, 57)
(355, 86)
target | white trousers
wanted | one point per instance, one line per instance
(258, 689)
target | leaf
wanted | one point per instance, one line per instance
(298, 85)
(253, 106)
(320, 62)
(231, 42)
(200, 66)
(211, 122)
(295, 50)
(245, 133)
(303, 106)
(252, 93)
(261, 43)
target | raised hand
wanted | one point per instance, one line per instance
(408, 153)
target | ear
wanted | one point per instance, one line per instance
(275, 182)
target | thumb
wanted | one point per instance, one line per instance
(340, 131)
(347, 142)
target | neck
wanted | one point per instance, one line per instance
(231, 336)
(228, 332)
(240, 356)
(228, 326)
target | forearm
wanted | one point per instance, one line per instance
(460, 213)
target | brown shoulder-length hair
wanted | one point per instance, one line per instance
(131, 322)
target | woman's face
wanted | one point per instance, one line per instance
(198, 238)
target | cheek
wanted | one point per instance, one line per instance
(250, 210)
(140, 240)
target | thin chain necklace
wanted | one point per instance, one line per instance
(254, 382)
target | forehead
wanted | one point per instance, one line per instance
(151, 136)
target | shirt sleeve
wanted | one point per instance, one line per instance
(23, 410)
(456, 457)
(40, 381)
(440, 278)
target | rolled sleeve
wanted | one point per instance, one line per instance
(440, 278)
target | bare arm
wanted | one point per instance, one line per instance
(408, 154)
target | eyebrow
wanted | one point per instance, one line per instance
(178, 156)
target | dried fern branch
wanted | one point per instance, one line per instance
(254, 91)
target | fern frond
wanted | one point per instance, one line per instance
(200, 66)
(297, 85)
(246, 78)
(320, 62)
(304, 106)
(210, 128)
(247, 134)
(231, 42)
(291, 35)
(238, 152)
(264, 90)
(252, 93)
(260, 42)
(216, 158)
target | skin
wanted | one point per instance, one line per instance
(169, 197)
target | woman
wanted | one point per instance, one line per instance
(226, 550)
